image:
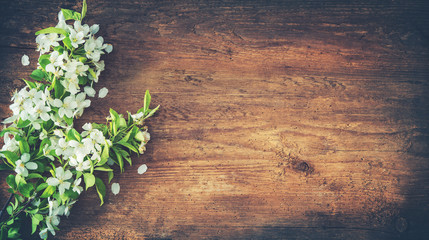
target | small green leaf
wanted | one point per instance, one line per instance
(34, 223)
(41, 187)
(129, 146)
(125, 139)
(119, 159)
(122, 123)
(110, 175)
(70, 14)
(23, 146)
(53, 30)
(104, 155)
(104, 168)
(10, 180)
(68, 120)
(34, 175)
(37, 75)
(151, 112)
(101, 189)
(72, 134)
(31, 85)
(9, 129)
(22, 124)
(48, 192)
(11, 157)
(146, 102)
(92, 73)
(84, 8)
(67, 43)
(89, 180)
(59, 89)
(26, 189)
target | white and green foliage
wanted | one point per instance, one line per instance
(46, 155)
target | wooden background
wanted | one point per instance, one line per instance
(279, 119)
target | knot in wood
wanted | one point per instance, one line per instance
(302, 166)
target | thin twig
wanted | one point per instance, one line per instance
(5, 206)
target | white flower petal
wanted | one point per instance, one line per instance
(57, 103)
(103, 92)
(52, 181)
(25, 60)
(109, 48)
(142, 169)
(116, 188)
(89, 91)
(25, 157)
(31, 165)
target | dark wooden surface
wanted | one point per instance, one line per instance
(279, 119)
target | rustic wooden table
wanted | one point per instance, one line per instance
(279, 120)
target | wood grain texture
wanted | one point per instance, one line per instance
(279, 119)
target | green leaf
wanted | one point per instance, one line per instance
(58, 88)
(122, 123)
(110, 175)
(151, 112)
(41, 187)
(24, 147)
(104, 168)
(53, 30)
(115, 121)
(125, 139)
(84, 8)
(129, 146)
(101, 189)
(13, 233)
(34, 175)
(119, 159)
(92, 73)
(104, 156)
(34, 223)
(48, 192)
(72, 134)
(37, 75)
(146, 102)
(26, 189)
(9, 129)
(10, 180)
(11, 157)
(82, 80)
(68, 120)
(67, 43)
(31, 85)
(89, 180)
(22, 124)
(70, 14)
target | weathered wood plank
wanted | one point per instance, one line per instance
(290, 119)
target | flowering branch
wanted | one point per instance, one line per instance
(48, 155)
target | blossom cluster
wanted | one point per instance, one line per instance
(49, 157)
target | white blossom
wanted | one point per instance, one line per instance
(23, 164)
(60, 179)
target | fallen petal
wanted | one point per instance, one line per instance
(142, 169)
(25, 60)
(116, 188)
(103, 92)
